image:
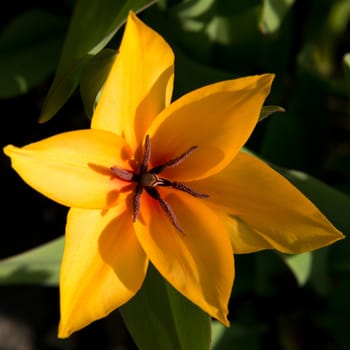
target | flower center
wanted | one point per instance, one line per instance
(149, 179)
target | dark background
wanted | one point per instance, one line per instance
(313, 136)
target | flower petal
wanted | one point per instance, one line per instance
(198, 262)
(139, 85)
(277, 214)
(103, 266)
(217, 118)
(244, 238)
(73, 168)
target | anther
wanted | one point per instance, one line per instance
(173, 162)
(182, 187)
(122, 174)
(165, 206)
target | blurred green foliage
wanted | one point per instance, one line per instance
(282, 302)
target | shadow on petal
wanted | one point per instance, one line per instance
(112, 197)
(120, 249)
(153, 103)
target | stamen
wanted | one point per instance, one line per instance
(165, 206)
(170, 214)
(173, 162)
(149, 180)
(136, 202)
(182, 187)
(122, 174)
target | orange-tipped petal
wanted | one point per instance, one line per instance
(217, 118)
(271, 212)
(73, 168)
(103, 266)
(198, 262)
(139, 84)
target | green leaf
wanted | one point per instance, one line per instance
(300, 265)
(191, 75)
(29, 47)
(93, 77)
(238, 336)
(158, 317)
(327, 27)
(40, 265)
(273, 13)
(266, 111)
(320, 278)
(92, 26)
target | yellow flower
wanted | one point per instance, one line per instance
(164, 182)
